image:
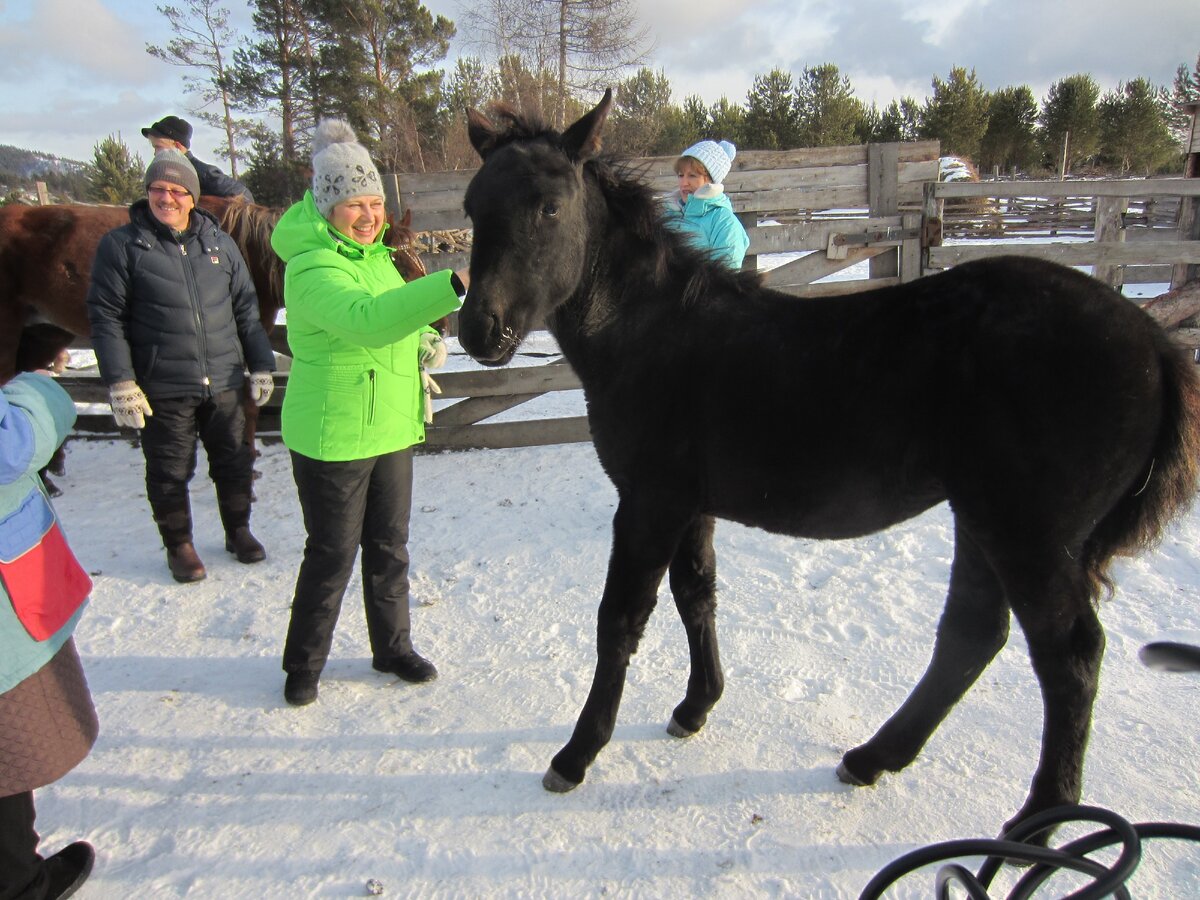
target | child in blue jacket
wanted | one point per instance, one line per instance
(700, 208)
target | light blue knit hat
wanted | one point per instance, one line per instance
(715, 156)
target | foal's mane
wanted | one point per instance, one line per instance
(635, 207)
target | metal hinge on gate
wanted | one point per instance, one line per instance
(840, 244)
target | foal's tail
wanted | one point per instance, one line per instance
(1169, 487)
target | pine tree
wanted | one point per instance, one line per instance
(115, 174)
(727, 122)
(1069, 115)
(1186, 90)
(771, 119)
(827, 110)
(640, 111)
(388, 87)
(1135, 129)
(285, 73)
(899, 121)
(957, 114)
(1011, 137)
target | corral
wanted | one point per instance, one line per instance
(822, 211)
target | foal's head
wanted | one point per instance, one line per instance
(530, 210)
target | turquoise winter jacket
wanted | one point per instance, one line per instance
(35, 415)
(708, 219)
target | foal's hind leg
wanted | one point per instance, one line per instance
(644, 539)
(693, 577)
(973, 628)
(1066, 643)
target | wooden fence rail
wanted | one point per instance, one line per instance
(1121, 250)
(456, 426)
(788, 201)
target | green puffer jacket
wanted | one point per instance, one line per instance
(354, 329)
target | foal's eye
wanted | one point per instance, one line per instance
(550, 210)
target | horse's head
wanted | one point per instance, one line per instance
(529, 209)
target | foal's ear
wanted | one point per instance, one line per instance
(582, 140)
(482, 133)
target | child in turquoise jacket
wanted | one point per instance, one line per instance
(700, 208)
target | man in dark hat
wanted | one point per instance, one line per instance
(174, 133)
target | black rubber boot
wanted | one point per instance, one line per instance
(174, 519)
(233, 502)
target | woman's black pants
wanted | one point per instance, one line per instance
(359, 503)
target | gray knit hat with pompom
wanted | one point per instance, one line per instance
(342, 167)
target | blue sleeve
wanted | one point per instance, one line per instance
(35, 416)
(728, 239)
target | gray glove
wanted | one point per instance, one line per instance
(262, 385)
(129, 404)
(432, 354)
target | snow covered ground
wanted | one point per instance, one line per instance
(205, 784)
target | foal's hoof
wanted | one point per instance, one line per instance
(555, 783)
(676, 730)
(847, 777)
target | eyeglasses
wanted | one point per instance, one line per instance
(177, 194)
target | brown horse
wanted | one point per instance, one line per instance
(46, 260)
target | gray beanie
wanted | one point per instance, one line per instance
(173, 166)
(342, 167)
(715, 156)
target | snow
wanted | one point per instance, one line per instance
(205, 784)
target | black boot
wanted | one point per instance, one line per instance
(67, 869)
(411, 666)
(174, 518)
(184, 563)
(300, 689)
(233, 502)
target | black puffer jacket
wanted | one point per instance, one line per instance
(216, 183)
(178, 315)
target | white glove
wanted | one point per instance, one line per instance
(430, 387)
(432, 354)
(262, 385)
(129, 404)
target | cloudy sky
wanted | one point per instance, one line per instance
(74, 71)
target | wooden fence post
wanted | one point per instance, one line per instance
(931, 223)
(883, 199)
(391, 196)
(749, 221)
(42, 194)
(1189, 207)
(1110, 228)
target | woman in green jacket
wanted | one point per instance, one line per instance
(354, 407)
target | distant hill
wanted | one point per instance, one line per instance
(33, 164)
(20, 169)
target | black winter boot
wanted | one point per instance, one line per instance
(233, 502)
(67, 869)
(174, 518)
(184, 563)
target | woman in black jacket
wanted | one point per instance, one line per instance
(174, 321)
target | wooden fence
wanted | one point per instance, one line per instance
(1122, 249)
(479, 394)
(834, 207)
(850, 203)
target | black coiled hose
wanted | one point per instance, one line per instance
(1045, 862)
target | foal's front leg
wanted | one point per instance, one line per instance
(644, 539)
(694, 586)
